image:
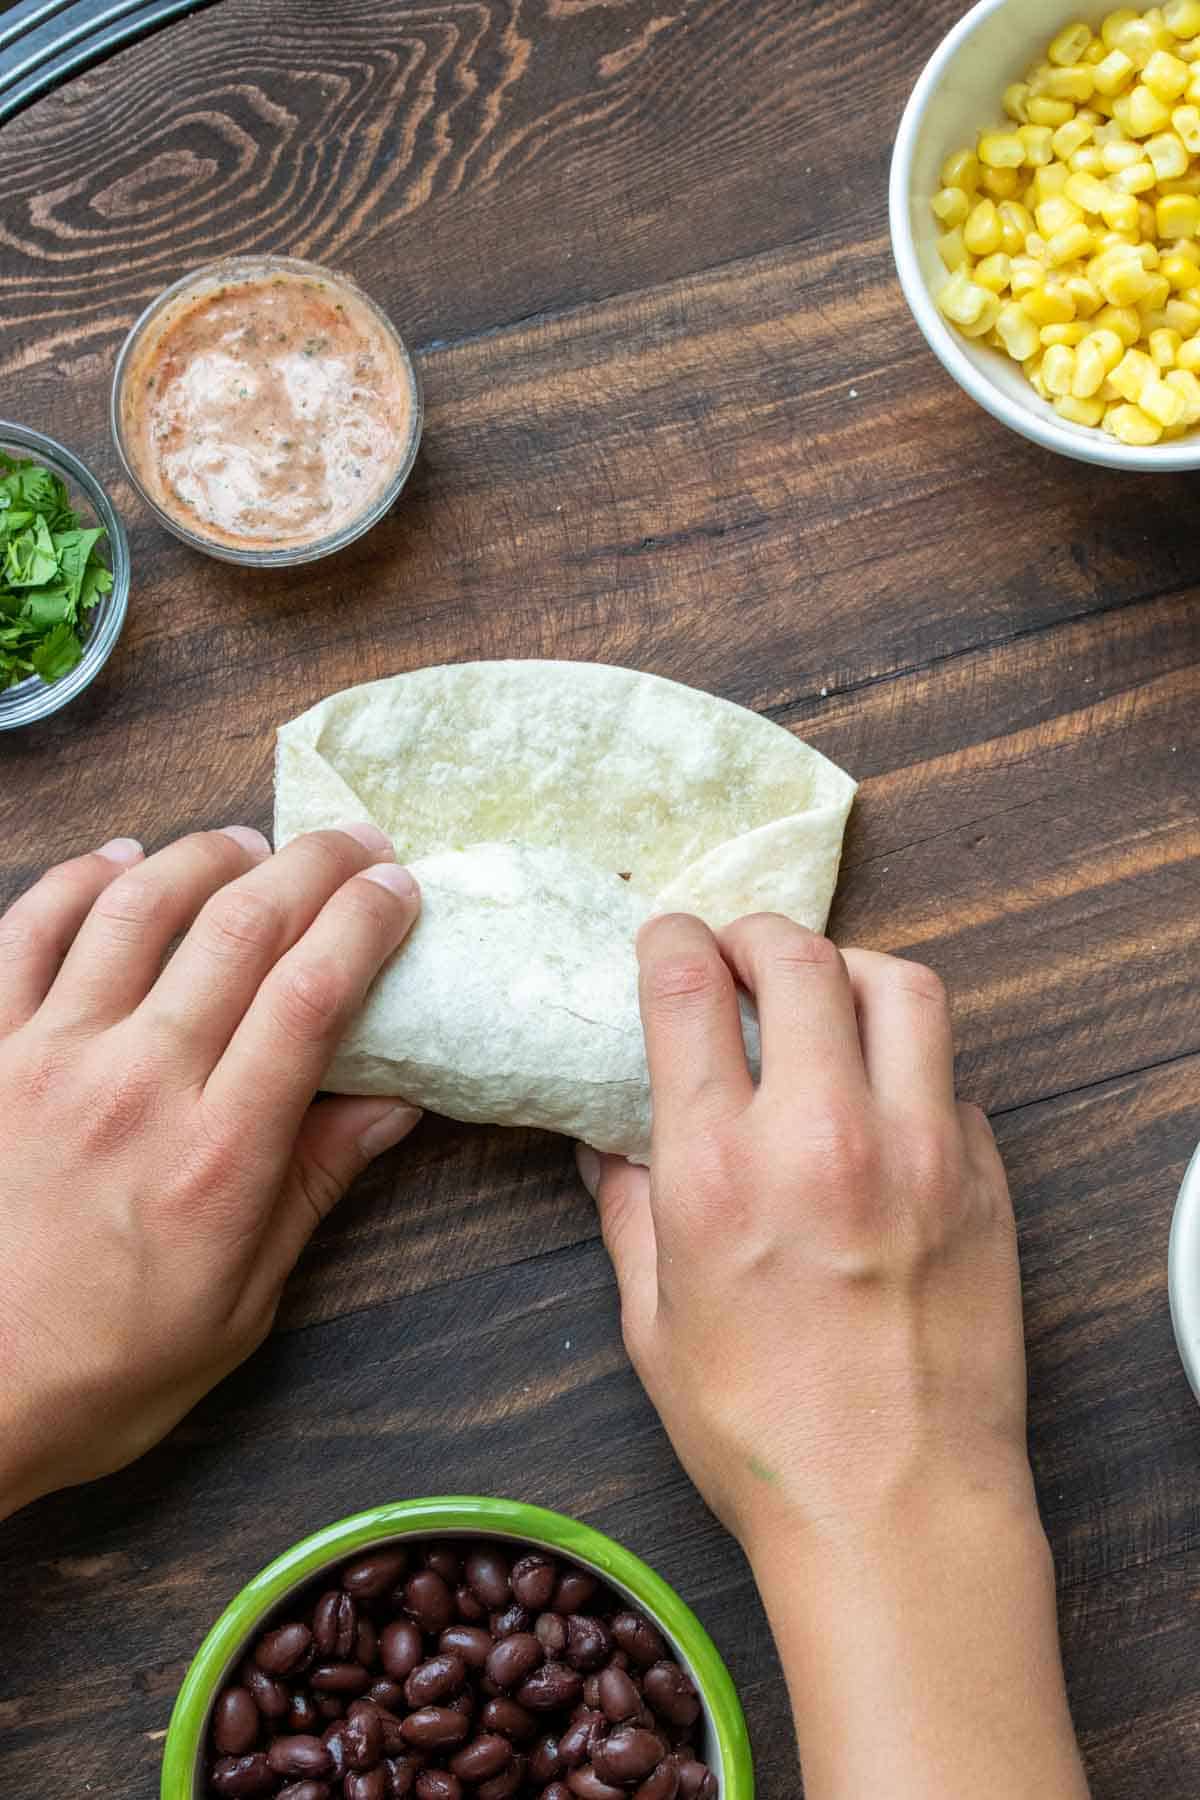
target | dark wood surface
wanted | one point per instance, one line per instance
(678, 418)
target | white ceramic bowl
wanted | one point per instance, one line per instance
(1183, 1273)
(957, 96)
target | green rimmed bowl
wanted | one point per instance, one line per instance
(726, 1744)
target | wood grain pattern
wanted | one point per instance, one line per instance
(678, 418)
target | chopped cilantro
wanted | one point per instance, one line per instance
(51, 575)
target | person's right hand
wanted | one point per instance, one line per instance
(818, 1276)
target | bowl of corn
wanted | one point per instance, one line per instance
(1045, 215)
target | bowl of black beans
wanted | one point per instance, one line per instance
(457, 1649)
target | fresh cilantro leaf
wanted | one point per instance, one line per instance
(31, 560)
(57, 654)
(51, 574)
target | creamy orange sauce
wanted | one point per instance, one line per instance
(268, 411)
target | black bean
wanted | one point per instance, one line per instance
(470, 1642)
(330, 1706)
(429, 1601)
(575, 1588)
(367, 1784)
(554, 1684)
(283, 1651)
(303, 1714)
(587, 1785)
(402, 1773)
(550, 1630)
(432, 1726)
(373, 1576)
(509, 1781)
(558, 1790)
(444, 1562)
(482, 1758)
(618, 1697)
(662, 1783)
(300, 1755)
(469, 1606)
(270, 1696)
(465, 1703)
(696, 1781)
(505, 1716)
(366, 1643)
(534, 1579)
(589, 1645)
(363, 1733)
(339, 1678)
(671, 1693)
(334, 1741)
(388, 1694)
(575, 1744)
(508, 1623)
(306, 1790)
(335, 1626)
(235, 1722)
(642, 1641)
(240, 1776)
(545, 1763)
(436, 1680)
(628, 1754)
(513, 1659)
(400, 1649)
(438, 1784)
(393, 1736)
(487, 1573)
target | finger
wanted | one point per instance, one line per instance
(693, 1029)
(338, 1139)
(38, 929)
(904, 1027)
(983, 1156)
(273, 1066)
(242, 931)
(621, 1191)
(122, 942)
(805, 1008)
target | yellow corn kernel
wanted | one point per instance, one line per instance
(1182, 17)
(1121, 153)
(1156, 295)
(981, 233)
(961, 170)
(1035, 246)
(1077, 83)
(1027, 274)
(1087, 160)
(1179, 270)
(993, 272)
(1094, 53)
(1125, 282)
(1131, 425)
(1161, 403)
(1071, 334)
(1070, 245)
(1096, 356)
(1120, 212)
(1071, 137)
(961, 301)
(1086, 192)
(1033, 375)
(1132, 373)
(951, 206)
(1016, 222)
(1136, 180)
(1186, 121)
(1058, 370)
(1167, 155)
(1044, 111)
(1189, 356)
(1146, 113)
(1037, 142)
(1002, 149)
(1001, 184)
(1139, 39)
(1049, 181)
(1183, 382)
(1017, 332)
(1015, 101)
(1079, 412)
(1115, 23)
(1070, 44)
(1124, 321)
(1147, 220)
(1166, 76)
(1056, 213)
(1177, 215)
(1147, 254)
(1165, 346)
(1192, 95)
(1050, 304)
(1113, 74)
(1179, 316)
(952, 250)
(1087, 297)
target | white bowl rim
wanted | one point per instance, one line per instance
(1082, 445)
(1183, 1273)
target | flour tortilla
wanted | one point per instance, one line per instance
(547, 809)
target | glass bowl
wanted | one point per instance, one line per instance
(34, 699)
(225, 273)
(726, 1746)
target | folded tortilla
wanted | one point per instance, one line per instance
(547, 809)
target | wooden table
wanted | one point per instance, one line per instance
(678, 418)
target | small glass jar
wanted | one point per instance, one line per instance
(132, 374)
(28, 701)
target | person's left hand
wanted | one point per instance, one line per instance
(164, 1161)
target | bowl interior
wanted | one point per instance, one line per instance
(958, 95)
(726, 1745)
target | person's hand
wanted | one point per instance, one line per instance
(819, 1275)
(163, 1159)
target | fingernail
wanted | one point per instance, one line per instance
(121, 850)
(589, 1167)
(247, 838)
(369, 836)
(388, 1130)
(394, 877)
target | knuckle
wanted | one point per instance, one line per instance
(932, 1160)
(680, 979)
(848, 1149)
(41, 1077)
(922, 983)
(131, 906)
(310, 999)
(239, 920)
(119, 1107)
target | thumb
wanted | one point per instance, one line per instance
(621, 1191)
(337, 1140)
